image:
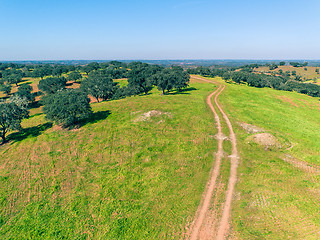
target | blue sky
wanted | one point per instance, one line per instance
(166, 29)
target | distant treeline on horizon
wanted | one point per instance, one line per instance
(182, 62)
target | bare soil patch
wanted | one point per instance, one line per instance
(249, 128)
(266, 140)
(147, 116)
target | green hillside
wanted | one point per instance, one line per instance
(120, 176)
(278, 189)
(138, 167)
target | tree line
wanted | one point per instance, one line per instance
(69, 106)
(261, 80)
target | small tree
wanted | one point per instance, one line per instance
(317, 70)
(42, 71)
(11, 115)
(139, 77)
(180, 79)
(162, 80)
(74, 76)
(13, 79)
(52, 85)
(25, 91)
(67, 107)
(282, 63)
(6, 88)
(99, 87)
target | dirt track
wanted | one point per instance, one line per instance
(203, 212)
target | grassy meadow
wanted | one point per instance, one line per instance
(309, 74)
(116, 177)
(123, 175)
(274, 199)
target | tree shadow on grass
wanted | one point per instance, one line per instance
(29, 132)
(94, 118)
(35, 104)
(183, 91)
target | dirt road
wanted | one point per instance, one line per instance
(203, 212)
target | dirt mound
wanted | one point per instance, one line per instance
(266, 140)
(249, 128)
(148, 115)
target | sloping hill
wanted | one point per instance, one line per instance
(278, 189)
(136, 170)
(138, 167)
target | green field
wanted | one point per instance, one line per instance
(274, 199)
(126, 176)
(115, 177)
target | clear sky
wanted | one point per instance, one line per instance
(162, 29)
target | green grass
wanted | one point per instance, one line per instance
(113, 178)
(274, 199)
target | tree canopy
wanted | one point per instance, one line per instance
(52, 84)
(11, 114)
(67, 107)
(99, 86)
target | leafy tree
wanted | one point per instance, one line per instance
(13, 79)
(273, 66)
(255, 80)
(90, 67)
(57, 71)
(74, 76)
(162, 80)
(6, 88)
(317, 70)
(294, 73)
(67, 107)
(99, 86)
(282, 63)
(42, 71)
(52, 85)
(239, 77)
(306, 69)
(295, 64)
(11, 115)
(25, 91)
(139, 77)
(180, 79)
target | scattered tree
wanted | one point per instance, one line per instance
(98, 86)
(11, 115)
(52, 85)
(67, 107)
(6, 88)
(25, 91)
(74, 76)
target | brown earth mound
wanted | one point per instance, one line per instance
(266, 140)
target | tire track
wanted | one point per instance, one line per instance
(203, 209)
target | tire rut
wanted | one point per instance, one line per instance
(204, 208)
